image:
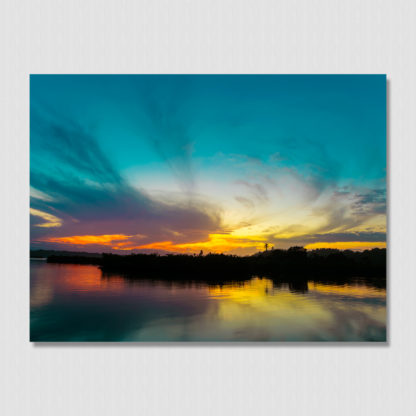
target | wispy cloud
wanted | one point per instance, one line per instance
(50, 220)
(92, 198)
(294, 192)
(168, 131)
(257, 190)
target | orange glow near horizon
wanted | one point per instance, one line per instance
(348, 245)
(106, 239)
(217, 243)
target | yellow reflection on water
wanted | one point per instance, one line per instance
(258, 309)
(253, 289)
(285, 314)
(257, 299)
(354, 290)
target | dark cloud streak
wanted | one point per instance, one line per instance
(92, 198)
(302, 240)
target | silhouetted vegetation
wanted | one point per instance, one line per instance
(294, 263)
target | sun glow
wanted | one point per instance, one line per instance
(217, 243)
(348, 245)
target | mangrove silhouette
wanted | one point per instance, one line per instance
(294, 263)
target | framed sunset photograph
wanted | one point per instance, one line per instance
(208, 208)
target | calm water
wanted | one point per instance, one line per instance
(79, 303)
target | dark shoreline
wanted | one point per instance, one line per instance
(294, 264)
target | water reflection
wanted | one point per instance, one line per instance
(79, 303)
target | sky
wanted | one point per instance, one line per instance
(219, 163)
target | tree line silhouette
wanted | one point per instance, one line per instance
(295, 261)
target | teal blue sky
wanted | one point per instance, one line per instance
(204, 155)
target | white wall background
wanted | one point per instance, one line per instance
(218, 36)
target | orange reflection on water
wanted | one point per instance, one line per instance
(71, 278)
(87, 279)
